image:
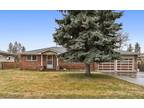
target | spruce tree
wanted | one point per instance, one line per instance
(19, 48)
(23, 49)
(16, 48)
(10, 48)
(89, 36)
(137, 48)
(130, 48)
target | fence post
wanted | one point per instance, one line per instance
(0, 65)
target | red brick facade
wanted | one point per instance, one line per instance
(75, 66)
(127, 64)
(31, 65)
(36, 64)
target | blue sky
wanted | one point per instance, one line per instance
(133, 24)
(34, 29)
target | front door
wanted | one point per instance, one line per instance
(50, 62)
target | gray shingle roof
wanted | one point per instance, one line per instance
(2, 51)
(5, 53)
(60, 50)
(128, 53)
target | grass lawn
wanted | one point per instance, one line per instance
(34, 84)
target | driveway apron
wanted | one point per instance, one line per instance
(136, 78)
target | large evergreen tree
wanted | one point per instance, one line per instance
(89, 36)
(137, 48)
(130, 48)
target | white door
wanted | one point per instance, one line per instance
(49, 62)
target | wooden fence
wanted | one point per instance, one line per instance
(9, 65)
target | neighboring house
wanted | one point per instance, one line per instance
(47, 58)
(7, 60)
(140, 58)
(6, 57)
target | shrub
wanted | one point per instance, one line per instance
(141, 66)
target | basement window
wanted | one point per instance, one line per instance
(31, 58)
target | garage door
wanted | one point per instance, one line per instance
(106, 66)
(125, 64)
(122, 65)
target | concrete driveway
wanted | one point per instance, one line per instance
(136, 78)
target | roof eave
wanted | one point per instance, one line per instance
(130, 54)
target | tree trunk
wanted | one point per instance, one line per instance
(87, 70)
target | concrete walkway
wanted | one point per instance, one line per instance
(132, 78)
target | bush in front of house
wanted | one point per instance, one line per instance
(141, 66)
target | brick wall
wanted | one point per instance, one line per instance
(36, 65)
(75, 66)
(31, 65)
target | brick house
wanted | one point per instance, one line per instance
(47, 58)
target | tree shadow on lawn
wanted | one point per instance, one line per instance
(83, 76)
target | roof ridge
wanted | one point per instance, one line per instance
(3, 51)
(44, 48)
(55, 49)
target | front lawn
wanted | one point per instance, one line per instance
(33, 84)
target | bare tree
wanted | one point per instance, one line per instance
(122, 39)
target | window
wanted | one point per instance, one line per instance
(31, 58)
(34, 57)
(8, 58)
(123, 61)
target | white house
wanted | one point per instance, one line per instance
(6, 57)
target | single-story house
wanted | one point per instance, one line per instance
(6, 57)
(47, 58)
